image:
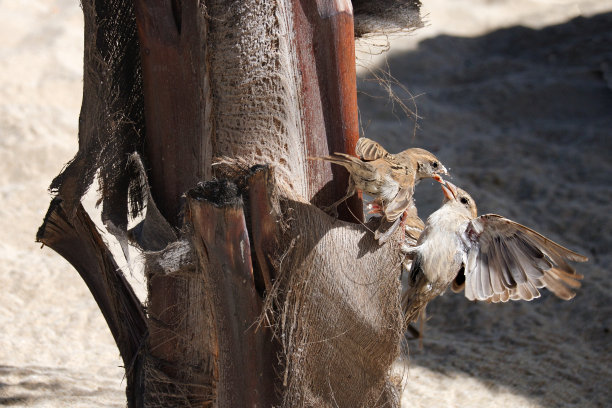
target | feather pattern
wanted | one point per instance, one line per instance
(388, 178)
(512, 261)
(491, 257)
(369, 150)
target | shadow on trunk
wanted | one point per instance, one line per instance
(255, 296)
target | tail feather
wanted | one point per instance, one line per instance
(341, 159)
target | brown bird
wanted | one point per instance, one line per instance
(493, 258)
(388, 178)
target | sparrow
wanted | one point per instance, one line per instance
(493, 258)
(388, 178)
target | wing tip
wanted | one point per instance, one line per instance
(579, 258)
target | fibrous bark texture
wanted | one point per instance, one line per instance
(77, 239)
(111, 121)
(334, 303)
(255, 296)
(337, 314)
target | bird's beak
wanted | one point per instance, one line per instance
(442, 170)
(449, 190)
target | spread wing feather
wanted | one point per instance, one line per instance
(506, 260)
(369, 150)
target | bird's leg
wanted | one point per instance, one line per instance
(375, 207)
(417, 334)
(403, 218)
(422, 318)
(333, 208)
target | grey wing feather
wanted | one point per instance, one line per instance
(369, 150)
(508, 261)
(385, 230)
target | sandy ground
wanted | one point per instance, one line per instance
(522, 116)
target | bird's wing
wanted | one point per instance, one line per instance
(401, 202)
(369, 150)
(506, 260)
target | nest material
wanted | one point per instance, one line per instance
(386, 16)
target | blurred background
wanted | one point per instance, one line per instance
(515, 97)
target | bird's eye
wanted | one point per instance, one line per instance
(464, 200)
(434, 165)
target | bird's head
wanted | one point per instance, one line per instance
(427, 165)
(459, 199)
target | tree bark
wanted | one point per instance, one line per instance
(79, 242)
(325, 52)
(244, 352)
(255, 296)
(178, 150)
(301, 104)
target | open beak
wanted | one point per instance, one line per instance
(449, 190)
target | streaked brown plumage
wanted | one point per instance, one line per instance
(388, 178)
(493, 258)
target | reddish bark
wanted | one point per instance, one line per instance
(325, 49)
(264, 229)
(245, 353)
(178, 154)
(178, 144)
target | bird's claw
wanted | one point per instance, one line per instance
(374, 208)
